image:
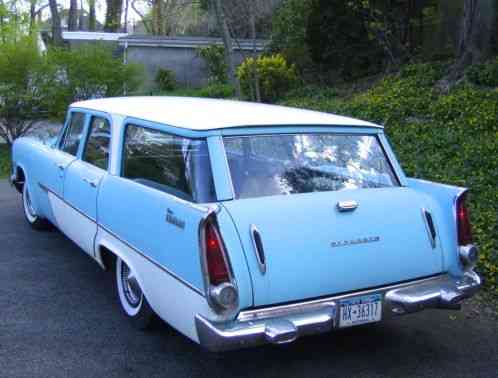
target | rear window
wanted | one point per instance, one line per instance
(169, 163)
(267, 165)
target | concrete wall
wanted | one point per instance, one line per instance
(190, 69)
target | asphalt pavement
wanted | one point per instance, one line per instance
(59, 317)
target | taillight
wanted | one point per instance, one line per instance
(217, 268)
(463, 222)
(469, 253)
(221, 290)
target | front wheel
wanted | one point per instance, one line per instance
(131, 297)
(32, 218)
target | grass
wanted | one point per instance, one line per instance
(4, 161)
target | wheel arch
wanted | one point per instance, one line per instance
(19, 177)
(106, 253)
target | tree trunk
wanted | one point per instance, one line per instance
(127, 6)
(72, 20)
(227, 41)
(255, 72)
(32, 15)
(56, 23)
(475, 46)
(92, 21)
(157, 17)
(478, 24)
(81, 22)
(149, 27)
(113, 15)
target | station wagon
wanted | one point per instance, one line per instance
(241, 224)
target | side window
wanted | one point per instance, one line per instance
(73, 133)
(175, 165)
(98, 143)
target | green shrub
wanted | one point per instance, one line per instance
(213, 90)
(24, 87)
(275, 76)
(165, 80)
(484, 74)
(313, 92)
(89, 71)
(4, 161)
(445, 138)
(214, 57)
(217, 90)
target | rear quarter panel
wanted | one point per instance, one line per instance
(135, 215)
(444, 200)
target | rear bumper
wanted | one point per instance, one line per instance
(284, 324)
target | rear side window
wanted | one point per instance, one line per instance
(98, 143)
(173, 164)
(267, 165)
(74, 133)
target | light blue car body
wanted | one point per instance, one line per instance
(301, 264)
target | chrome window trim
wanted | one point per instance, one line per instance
(227, 167)
(122, 142)
(398, 182)
(89, 134)
(67, 128)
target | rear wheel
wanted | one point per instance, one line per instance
(32, 218)
(131, 297)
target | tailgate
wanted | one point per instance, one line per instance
(311, 249)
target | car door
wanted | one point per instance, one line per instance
(82, 181)
(64, 154)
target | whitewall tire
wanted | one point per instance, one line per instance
(131, 297)
(30, 214)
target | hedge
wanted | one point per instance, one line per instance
(450, 138)
(4, 161)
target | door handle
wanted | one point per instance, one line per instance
(92, 183)
(61, 167)
(344, 206)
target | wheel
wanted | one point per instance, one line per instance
(131, 297)
(34, 220)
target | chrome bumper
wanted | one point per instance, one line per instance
(284, 324)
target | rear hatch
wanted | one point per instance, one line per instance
(311, 249)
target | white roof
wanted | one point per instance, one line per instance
(209, 114)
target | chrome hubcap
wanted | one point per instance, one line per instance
(131, 288)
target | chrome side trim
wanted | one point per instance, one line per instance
(284, 324)
(43, 187)
(261, 264)
(136, 250)
(152, 261)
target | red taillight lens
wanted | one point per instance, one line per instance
(216, 264)
(463, 222)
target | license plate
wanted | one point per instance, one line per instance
(360, 310)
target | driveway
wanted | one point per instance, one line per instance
(59, 317)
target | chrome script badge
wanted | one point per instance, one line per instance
(345, 243)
